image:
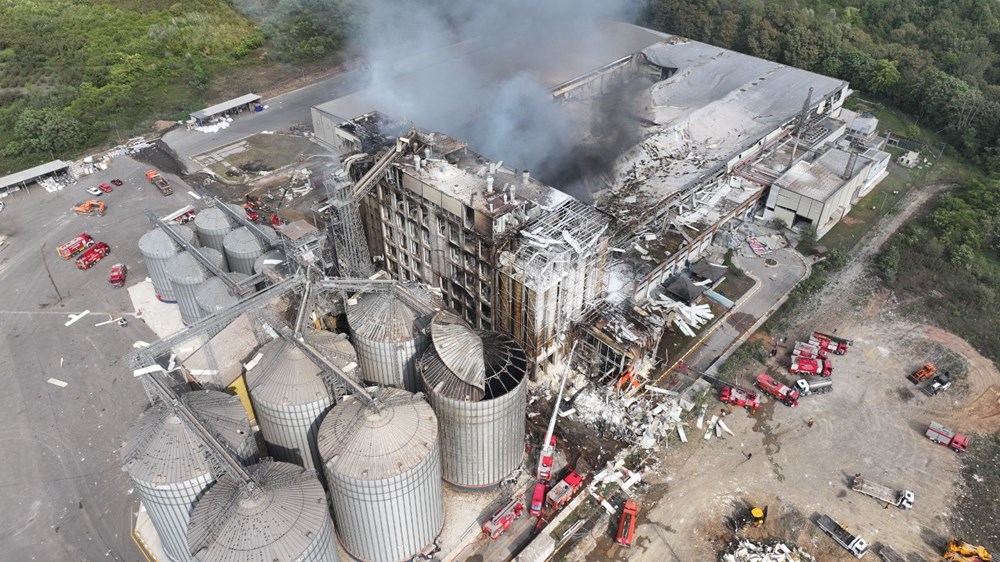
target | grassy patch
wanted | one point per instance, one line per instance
(750, 356)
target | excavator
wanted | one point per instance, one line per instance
(961, 551)
(90, 207)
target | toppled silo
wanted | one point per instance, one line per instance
(389, 336)
(273, 265)
(283, 517)
(243, 248)
(383, 469)
(157, 248)
(186, 274)
(289, 398)
(475, 381)
(167, 466)
(214, 294)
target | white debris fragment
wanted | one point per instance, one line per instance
(57, 382)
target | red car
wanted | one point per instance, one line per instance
(117, 182)
(118, 275)
(105, 188)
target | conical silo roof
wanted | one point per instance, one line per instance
(386, 317)
(242, 240)
(213, 295)
(285, 376)
(224, 413)
(284, 518)
(365, 443)
(460, 349)
(157, 244)
(335, 347)
(502, 360)
(214, 219)
(185, 269)
(162, 450)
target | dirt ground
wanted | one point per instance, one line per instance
(872, 423)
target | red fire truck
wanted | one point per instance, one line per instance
(830, 342)
(563, 491)
(501, 520)
(783, 393)
(811, 366)
(626, 524)
(740, 397)
(93, 255)
(74, 246)
(537, 499)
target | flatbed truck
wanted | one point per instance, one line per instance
(854, 544)
(902, 499)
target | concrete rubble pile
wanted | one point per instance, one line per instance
(748, 551)
(642, 420)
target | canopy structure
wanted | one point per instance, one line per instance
(24, 177)
(707, 270)
(225, 106)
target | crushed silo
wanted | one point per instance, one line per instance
(243, 248)
(337, 349)
(213, 224)
(282, 518)
(390, 336)
(167, 466)
(157, 248)
(273, 265)
(289, 398)
(214, 294)
(186, 274)
(383, 470)
(475, 381)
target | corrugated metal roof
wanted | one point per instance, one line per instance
(286, 376)
(161, 450)
(242, 242)
(185, 269)
(459, 348)
(157, 244)
(213, 295)
(504, 363)
(385, 317)
(223, 412)
(31, 174)
(366, 444)
(335, 347)
(225, 106)
(279, 521)
(213, 219)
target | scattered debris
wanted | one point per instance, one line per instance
(747, 551)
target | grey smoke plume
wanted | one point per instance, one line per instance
(481, 71)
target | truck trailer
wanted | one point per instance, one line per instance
(814, 385)
(902, 499)
(854, 544)
(944, 436)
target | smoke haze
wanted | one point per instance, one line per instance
(496, 95)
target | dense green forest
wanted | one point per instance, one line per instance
(77, 73)
(938, 60)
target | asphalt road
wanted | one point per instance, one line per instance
(773, 283)
(61, 485)
(283, 112)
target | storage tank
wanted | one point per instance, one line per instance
(283, 518)
(164, 461)
(213, 224)
(475, 381)
(157, 248)
(186, 274)
(213, 294)
(337, 349)
(383, 470)
(273, 265)
(243, 248)
(289, 398)
(390, 336)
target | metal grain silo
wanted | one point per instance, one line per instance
(214, 295)
(383, 470)
(289, 398)
(168, 469)
(282, 518)
(390, 336)
(475, 381)
(157, 248)
(243, 248)
(213, 224)
(186, 274)
(337, 349)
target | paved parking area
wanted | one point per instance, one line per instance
(64, 494)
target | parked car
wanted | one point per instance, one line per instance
(105, 188)
(117, 182)
(94, 191)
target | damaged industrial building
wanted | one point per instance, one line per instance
(389, 352)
